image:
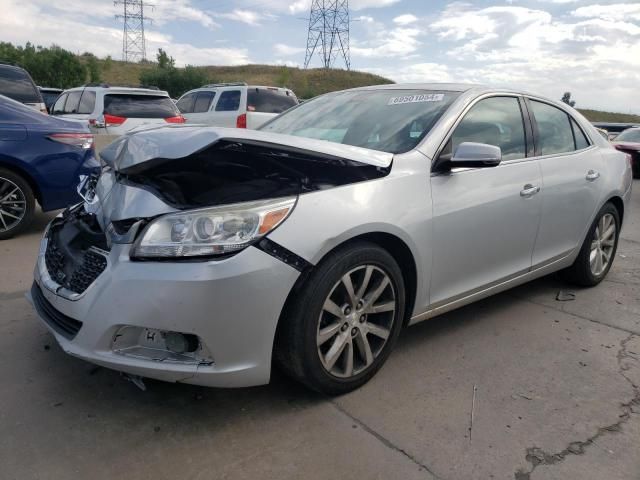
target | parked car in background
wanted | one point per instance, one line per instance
(614, 129)
(116, 110)
(16, 83)
(49, 96)
(629, 142)
(235, 104)
(316, 239)
(41, 159)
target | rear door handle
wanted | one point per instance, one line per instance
(592, 175)
(529, 190)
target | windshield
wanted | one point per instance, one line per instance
(392, 121)
(631, 135)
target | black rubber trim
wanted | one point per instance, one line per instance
(282, 254)
(60, 323)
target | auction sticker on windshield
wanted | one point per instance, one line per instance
(425, 97)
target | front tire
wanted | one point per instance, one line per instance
(17, 204)
(341, 327)
(598, 250)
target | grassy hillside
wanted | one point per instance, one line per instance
(598, 116)
(305, 83)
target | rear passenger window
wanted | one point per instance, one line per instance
(554, 130)
(203, 102)
(72, 102)
(87, 102)
(185, 104)
(578, 134)
(229, 101)
(494, 121)
(58, 107)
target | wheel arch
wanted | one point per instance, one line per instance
(619, 204)
(393, 244)
(12, 167)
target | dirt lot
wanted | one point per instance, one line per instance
(554, 398)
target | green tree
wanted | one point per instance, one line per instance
(164, 60)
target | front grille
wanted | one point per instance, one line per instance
(60, 323)
(91, 266)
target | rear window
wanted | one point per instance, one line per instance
(269, 101)
(17, 84)
(139, 106)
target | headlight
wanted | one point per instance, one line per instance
(211, 231)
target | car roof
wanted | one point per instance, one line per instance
(130, 90)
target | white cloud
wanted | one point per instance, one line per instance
(249, 17)
(287, 50)
(620, 12)
(18, 27)
(354, 5)
(405, 19)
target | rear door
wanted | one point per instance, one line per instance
(571, 168)
(264, 103)
(485, 220)
(227, 107)
(126, 111)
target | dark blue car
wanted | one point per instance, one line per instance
(41, 158)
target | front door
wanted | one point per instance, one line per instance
(485, 220)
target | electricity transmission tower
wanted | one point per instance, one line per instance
(328, 32)
(133, 44)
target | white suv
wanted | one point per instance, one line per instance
(116, 110)
(235, 104)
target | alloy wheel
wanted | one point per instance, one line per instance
(602, 244)
(356, 320)
(13, 205)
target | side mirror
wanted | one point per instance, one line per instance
(476, 155)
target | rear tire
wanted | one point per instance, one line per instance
(343, 323)
(17, 204)
(598, 250)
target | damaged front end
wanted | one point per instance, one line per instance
(244, 180)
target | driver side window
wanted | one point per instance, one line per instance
(495, 121)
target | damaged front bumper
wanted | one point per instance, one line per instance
(232, 305)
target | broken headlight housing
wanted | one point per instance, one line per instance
(211, 231)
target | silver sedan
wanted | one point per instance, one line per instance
(202, 254)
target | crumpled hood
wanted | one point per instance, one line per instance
(170, 142)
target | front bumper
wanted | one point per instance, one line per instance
(232, 305)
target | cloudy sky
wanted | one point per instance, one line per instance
(589, 47)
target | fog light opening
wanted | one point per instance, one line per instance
(160, 346)
(181, 342)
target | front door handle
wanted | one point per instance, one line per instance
(592, 175)
(529, 190)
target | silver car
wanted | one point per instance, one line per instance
(201, 254)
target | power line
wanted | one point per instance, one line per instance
(134, 48)
(328, 32)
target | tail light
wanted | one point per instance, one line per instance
(176, 119)
(241, 121)
(80, 140)
(113, 120)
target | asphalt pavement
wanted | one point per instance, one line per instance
(518, 386)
